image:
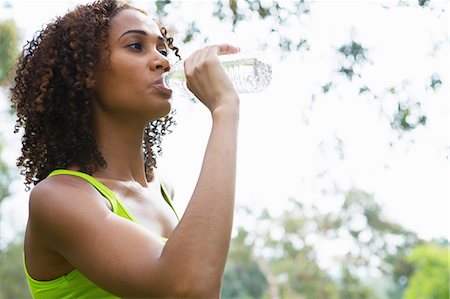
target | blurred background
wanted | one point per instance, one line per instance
(343, 173)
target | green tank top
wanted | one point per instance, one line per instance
(75, 284)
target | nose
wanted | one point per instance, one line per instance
(160, 62)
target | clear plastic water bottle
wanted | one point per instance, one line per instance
(248, 75)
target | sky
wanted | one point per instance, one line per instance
(286, 146)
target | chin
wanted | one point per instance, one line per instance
(169, 108)
(161, 113)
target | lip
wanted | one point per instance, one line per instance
(158, 84)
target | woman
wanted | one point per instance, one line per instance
(101, 223)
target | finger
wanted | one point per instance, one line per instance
(223, 49)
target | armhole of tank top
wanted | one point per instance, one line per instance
(108, 195)
(118, 207)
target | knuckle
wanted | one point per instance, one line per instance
(197, 69)
(189, 74)
(209, 62)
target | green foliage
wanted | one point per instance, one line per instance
(283, 249)
(430, 278)
(12, 283)
(297, 261)
(363, 89)
(352, 288)
(8, 48)
(191, 32)
(354, 53)
(423, 2)
(348, 72)
(8, 52)
(243, 277)
(12, 279)
(408, 117)
(435, 81)
(5, 177)
(277, 19)
(161, 7)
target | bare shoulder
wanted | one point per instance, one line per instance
(163, 178)
(62, 189)
(54, 201)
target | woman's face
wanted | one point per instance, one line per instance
(131, 86)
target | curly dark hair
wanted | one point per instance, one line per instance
(52, 94)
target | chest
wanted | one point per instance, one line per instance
(148, 207)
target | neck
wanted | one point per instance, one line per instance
(120, 143)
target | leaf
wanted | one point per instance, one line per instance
(436, 81)
(354, 50)
(363, 89)
(326, 87)
(348, 72)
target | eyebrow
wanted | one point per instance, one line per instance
(142, 32)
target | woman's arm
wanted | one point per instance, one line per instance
(205, 229)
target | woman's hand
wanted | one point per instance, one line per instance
(207, 78)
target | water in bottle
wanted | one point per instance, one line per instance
(248, 75)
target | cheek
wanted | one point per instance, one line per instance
(118, 88)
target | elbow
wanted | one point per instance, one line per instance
(196, 289)
(198, 285)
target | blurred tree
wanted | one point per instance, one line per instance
(289, 263)
(5, 178)
(243, 277)
(351, 287)
(278, 17)
(12, 283)
(287, 250)
(291, 254)
(12, 278)
(430, 277)
(9, 37)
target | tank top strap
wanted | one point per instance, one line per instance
(117, 206)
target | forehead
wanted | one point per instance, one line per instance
(132, 19)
